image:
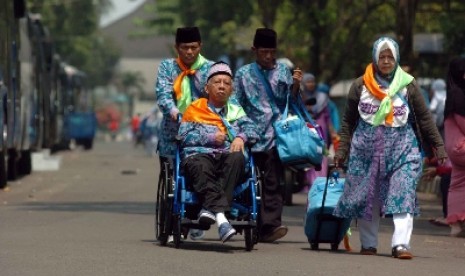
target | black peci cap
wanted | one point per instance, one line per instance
(265, 38)
(188, 35)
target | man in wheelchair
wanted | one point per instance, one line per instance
(213, 133)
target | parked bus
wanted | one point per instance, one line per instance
(40, 95)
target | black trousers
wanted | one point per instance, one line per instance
(214, 177)
(271, 194)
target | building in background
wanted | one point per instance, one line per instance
(139, 54)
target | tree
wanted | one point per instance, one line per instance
(76, 35)
(222, 23)
(406, 12)
(132, 84)
(318, 26)
(331, 38)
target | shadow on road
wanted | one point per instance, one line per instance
(429, 208)
(122, 207)
(208, 245)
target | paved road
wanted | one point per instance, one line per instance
(95, 217)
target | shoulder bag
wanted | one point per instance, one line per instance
(299, 142)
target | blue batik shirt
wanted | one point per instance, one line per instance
(250, 93)
(199, 138)
(168, 71)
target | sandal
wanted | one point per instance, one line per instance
(439, 222)
(457, 230)
(401, 252)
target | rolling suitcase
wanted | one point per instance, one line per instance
(320, 224)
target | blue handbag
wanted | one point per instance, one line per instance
(299, 145)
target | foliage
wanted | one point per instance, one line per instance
(132, 81)
(73, 25)
(331, 38)
(453, 26)
(223, 24)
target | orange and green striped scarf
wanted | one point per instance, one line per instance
(385, 111)
(182, 86)
(199, 112)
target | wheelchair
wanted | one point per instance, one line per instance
(177, 205)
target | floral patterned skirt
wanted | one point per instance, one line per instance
(385, 164)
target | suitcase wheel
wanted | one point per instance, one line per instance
(314, 246)
(334, 246)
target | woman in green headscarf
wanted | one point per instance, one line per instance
(380, 135)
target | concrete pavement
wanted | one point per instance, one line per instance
(95, 217)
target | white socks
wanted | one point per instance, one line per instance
(220, 218)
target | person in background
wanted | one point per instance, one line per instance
(454, 128)
(252, 82)
(438, 102)
(383, 151)
(321, 113)
(214, 132)
(135, 129)
(150, 128)
(436, 106)
(113, 127)
(179, 82)
(431, 170)
(308, 85)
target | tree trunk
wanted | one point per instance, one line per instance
(406, 10)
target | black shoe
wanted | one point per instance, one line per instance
(206, 217)
(401, 252)
(368, 251)
(276, 234)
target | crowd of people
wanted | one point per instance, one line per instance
(217, 114)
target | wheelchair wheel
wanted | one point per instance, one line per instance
(163, 212)
(288, 187)
(158, 204)
(251, 238)
(176, 230)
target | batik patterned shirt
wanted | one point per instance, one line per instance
(250, 93)
(167, 74)
(199, 138)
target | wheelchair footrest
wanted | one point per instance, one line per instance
(194, 224)
(237, 224)
(243, 224)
